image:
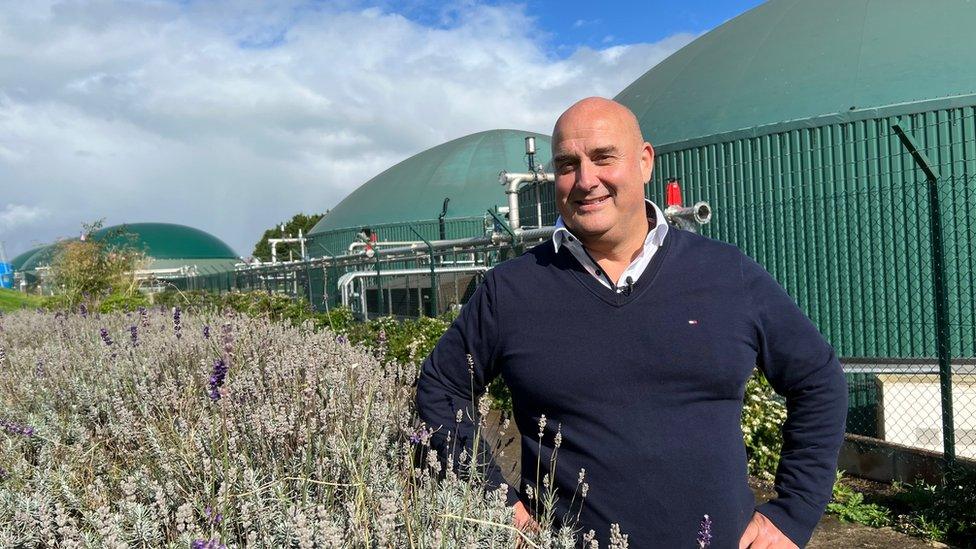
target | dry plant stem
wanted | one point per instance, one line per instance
(519, 533)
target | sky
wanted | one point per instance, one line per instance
(232, 116)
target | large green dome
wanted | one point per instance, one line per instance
(789, 61)
(464, 170)
(168, 241)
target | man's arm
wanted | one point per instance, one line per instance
(801, 366)
(449, 383)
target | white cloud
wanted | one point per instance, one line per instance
(231, 119)
(15, 216)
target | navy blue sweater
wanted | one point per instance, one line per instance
(646, 389)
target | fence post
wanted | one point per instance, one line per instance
(433, 276)
(379, 286)
(938, 279)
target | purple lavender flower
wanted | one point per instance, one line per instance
(144, 316)
(217, 379)
(104, 333)
(177, 326)
(341, 340)
(134, 335)
(16, 428)
(4, 475)
(207, 544)
(705, 532)
(83, 310)
(214, 518)
(206, 332)
(420, 436)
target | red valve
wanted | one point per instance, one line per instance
(673, 193)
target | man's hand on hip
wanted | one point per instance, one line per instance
(523, 522)
(761, 533)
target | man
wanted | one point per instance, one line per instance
(635, 341)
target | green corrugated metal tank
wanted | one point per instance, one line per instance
(464, 170)
(782, 119)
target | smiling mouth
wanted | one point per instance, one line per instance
(593, 201)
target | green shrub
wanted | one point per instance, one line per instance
(763, 414)
(943, 512)
(849, 506)
(120, 302)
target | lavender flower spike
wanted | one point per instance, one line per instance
(177, 326)
(705, 532)
(217, 379)
(207, 544)
(104, 333)
(16, 428)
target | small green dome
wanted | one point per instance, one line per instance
(794, 60)
(18, 262)
(168, 241)
(464, 170)
(41, 257)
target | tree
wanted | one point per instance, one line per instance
(262, 250)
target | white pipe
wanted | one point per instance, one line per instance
(360, 244)
(275, 241)
(511, 182)
(345, 281)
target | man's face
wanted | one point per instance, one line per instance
(601, 165)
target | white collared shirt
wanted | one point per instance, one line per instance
(562, 237)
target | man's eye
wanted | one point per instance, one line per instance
(565, 168)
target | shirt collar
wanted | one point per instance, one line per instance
(654, 237)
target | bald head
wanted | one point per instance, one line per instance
(600, 164)
(600, 111)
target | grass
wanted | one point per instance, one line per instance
(12, 300)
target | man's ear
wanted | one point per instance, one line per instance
(647, 161)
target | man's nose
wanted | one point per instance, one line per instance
(586, 179)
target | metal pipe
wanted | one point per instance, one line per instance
(359, 244)
(440, 219)
(689, 218)
(511, 182)
(347, 279)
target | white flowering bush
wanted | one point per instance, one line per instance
(162, 429)
(763, 415)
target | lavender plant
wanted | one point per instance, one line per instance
(311, 442)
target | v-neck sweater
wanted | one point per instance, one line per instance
(645, 390)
